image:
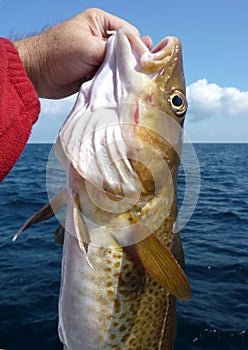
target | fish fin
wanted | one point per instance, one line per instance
(59, 235)
(46, 212)
(80, 227)
(162, 265)
(180, 252)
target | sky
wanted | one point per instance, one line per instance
(215, 51)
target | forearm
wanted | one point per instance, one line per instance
(44, 57)
(32, 53)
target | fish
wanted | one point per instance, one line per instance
(120, 147)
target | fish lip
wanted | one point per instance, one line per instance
(154, 61)
(168, 41)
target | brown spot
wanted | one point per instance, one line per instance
(117, 306)
(124, 315)
(117, 256)
(115, 324)
(124, 292)
(132, 341)
(122, 328)
(154, 283)
(112, 336)
(109, 284)
(156, 293)
(107, 269)
(121, 282)
(117, 264)
(157, 304)
(110, 292)
(147, 314)
(124, 338)
(128, 274)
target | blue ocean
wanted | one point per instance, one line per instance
(215, 243)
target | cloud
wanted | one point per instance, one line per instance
(58, 109)
(52, 116)
(211, 100)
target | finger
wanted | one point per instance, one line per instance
(111, 22)
(147, 41)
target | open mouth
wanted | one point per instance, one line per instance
(155, 60)
(168, 49)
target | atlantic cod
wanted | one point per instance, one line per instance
(123, 261)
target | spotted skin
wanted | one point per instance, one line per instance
(153, 323)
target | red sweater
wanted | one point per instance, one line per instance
(19, 107)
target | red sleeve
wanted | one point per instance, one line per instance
(19, 107)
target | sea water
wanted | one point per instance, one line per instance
(215, 242)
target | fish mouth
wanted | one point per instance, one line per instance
(151, 61)
(167, 50)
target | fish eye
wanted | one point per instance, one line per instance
(178, 102)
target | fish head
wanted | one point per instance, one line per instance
(167, 66)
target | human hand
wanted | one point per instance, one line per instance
(60, 60)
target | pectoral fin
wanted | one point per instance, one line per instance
(79, 225)
(161, 264)
(59, 235)
(46, 212)
(180, 253)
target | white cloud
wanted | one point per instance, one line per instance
(211, 100)
(52, 116)
(57, 108)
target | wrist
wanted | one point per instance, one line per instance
(32, 57)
